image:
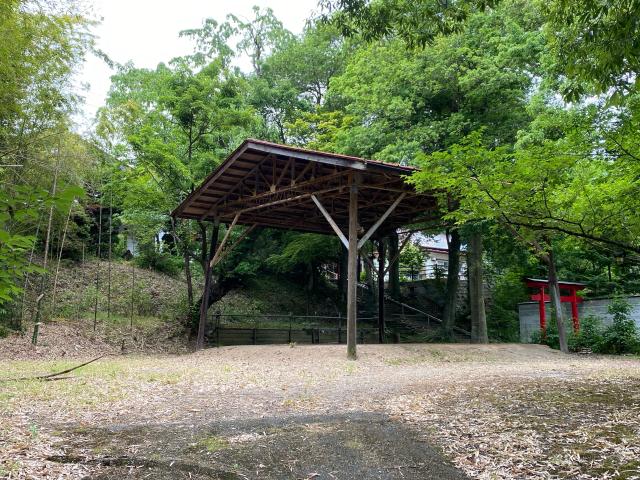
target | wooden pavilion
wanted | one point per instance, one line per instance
(264, 184)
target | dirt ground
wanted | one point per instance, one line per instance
(305, 412)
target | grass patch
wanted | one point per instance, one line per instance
(212, 444)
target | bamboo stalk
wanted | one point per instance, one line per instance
(64, 235)
(95, 309)
(109, 268)
(26, 277)
(38, 317)
(133, 288)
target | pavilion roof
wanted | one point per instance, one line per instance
(267, 184)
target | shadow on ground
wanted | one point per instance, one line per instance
(350, 446)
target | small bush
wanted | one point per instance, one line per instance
(618, 338)
(164, 262)
(621, 336)
(551, 339)
(589, 336)
(4, 331)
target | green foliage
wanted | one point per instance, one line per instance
(590, 335)
(418, 23)
(621, 336)
(595, 46)
(304, 251)
(503, 322)
(161, 261)
(412, 257)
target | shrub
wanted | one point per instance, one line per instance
(164, 262)
(621, 336)
(551, 339)
(589, 336)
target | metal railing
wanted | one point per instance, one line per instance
(287, 328)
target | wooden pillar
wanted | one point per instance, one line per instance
(543, 315)
(381, 260)
(352, 280)
(204, 303)
(574, 311)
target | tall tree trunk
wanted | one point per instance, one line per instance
(453, 281)
(554, 292)
(476, 290)
(208, 281)
(187, 268)
(394, 267)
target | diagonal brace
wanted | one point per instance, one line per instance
(234, 244)
(333, 224)
(380, 221)
(216, 257)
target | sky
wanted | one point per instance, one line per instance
(146, 33)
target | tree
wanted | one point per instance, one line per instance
(260, 36)
(479, 333)
(594, 46)
(168, 128)
(418, 23)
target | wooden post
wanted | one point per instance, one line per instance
(381, 259)
(352, 280)
(574, 311)
(543, 315)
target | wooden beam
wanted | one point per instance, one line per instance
(214, 260)
(296, 188)
(290, 199)
(352, 281)
(238, 185)
(380, 221)
(234, 244)
(284, 171)
(333, 224)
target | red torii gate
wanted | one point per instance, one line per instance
(541, 297)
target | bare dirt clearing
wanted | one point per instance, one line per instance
(497, 411)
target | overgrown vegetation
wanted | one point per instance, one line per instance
(619, 336)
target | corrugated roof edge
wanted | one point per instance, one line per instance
(245, 145)
(335, 155)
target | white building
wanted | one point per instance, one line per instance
(436, 257)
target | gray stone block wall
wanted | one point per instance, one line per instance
(530, 319)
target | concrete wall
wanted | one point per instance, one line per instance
(530, 318)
